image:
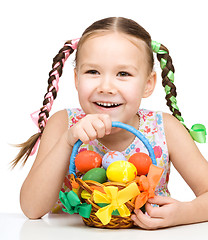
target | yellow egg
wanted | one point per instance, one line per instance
(121, 171)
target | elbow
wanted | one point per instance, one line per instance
(32, 216)
(33, 207)
(31, 211)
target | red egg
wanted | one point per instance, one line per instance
(87, 160)
(142, 162)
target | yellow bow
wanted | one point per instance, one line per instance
(116, 200)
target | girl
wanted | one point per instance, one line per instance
(113, 72)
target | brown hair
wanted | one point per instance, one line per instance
(115, 24)
(123, 25)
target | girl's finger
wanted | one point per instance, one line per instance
(160, 200)
(83, 137)
(154, 212)
(107, 122)
(90, 130)
(137, 222)
(99, 127)
(149, 222)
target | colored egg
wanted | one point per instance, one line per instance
(96, 174)
(111, 157)
(87, 160)
(121, 171)
(141, 161)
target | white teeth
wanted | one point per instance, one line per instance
(107, 104)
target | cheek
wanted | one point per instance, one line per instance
(82, 87)
(85, 90)
(133, 94)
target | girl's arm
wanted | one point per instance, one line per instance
(41, 188)
(193, 167)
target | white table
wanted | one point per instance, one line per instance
(66, 227)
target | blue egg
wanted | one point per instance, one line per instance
(111, 157)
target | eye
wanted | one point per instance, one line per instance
(123, 74)
(93, 72)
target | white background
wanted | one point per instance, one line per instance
(32, 32)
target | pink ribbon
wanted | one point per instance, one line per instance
(54, 84)
(74, 43)
(35, 147)
(67, 53)
(36, 115)
(35, 118)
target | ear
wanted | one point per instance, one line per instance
(76, 78)
(150, 84)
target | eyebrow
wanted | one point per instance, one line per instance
(126, 66)
(91, 65)
(120, 66)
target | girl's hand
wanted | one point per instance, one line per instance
(89, 128)
(169, 213)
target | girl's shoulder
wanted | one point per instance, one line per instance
(69, 113)
(66, 117)
(58, 117)
(176, 134)
(171, 123)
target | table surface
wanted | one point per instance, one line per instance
(65, 226)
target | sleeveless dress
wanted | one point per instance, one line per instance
(151, 126)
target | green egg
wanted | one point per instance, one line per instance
(96, 174)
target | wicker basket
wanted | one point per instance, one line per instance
(88, 185)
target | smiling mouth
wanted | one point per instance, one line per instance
(107, 105)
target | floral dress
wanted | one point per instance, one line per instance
(151, 126)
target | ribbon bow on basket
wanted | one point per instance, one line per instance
(72, 204)
(109, 205)
(116, 201)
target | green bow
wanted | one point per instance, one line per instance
(198, 133)
(72, 204)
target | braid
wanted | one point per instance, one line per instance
(40, 117)
(54, 74)
(168, 79)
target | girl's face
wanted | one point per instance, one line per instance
(112, 77)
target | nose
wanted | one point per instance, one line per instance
(106, 86)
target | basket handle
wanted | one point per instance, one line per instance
(72, 167)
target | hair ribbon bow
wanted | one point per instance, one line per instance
(198, 133)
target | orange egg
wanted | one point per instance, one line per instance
(87, 160)
(141, 161)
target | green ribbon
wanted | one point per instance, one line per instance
(163, 63)
(72, 204)
(156, 47)
(170, 75)
(173, 99)
(180, 118)
(198, 133)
